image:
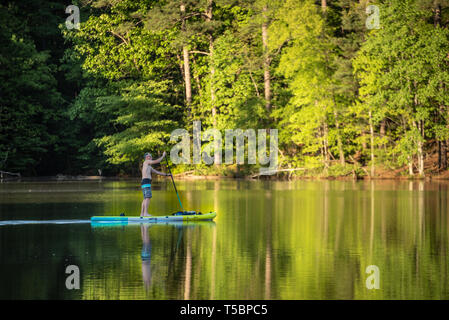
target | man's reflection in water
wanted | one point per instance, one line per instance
(146, 255)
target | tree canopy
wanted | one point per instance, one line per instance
(345, 97)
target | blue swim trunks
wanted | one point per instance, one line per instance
(146, 188)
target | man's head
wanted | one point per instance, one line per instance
(147, 156)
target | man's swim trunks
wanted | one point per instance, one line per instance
(146, 188)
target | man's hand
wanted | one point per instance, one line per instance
(164, 154)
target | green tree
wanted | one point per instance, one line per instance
(137, 87)
(307, 63)
(29, 99)
(403, 75)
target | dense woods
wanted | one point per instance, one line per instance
(346, 97)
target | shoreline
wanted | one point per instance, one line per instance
(181, 176)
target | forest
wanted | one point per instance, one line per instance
(354, 88)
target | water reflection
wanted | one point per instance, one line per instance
(270, 240)
(172, 249)
(146, 255)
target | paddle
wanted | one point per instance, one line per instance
(174, 185)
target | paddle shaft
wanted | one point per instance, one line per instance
(174, 185)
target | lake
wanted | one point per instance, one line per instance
(270, 240)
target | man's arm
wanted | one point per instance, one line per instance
(157, 160)
(159, 173)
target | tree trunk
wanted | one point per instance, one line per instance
(382, 128)
(187, 77)
(443, 144)
(419, 125)
(323, 5)
(371, 130)
(444, 154)
(420, 159)
(266, 60)
(419, 147)
(382, 133)
(339, 142)
(410, 165)
(437, 16)
(212, 79)
(322, 149)
(211, 63)
(185, 51)
(326, 145)
(197, 80)
(209, 16)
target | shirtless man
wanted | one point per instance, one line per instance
(147, 169)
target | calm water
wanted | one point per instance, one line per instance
(270, 240)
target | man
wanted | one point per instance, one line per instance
(147, 169)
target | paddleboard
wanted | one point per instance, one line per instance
(155, 219)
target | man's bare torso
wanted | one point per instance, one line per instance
(146, 170)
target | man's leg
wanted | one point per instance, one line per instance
(143, 206)
(146, 206)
